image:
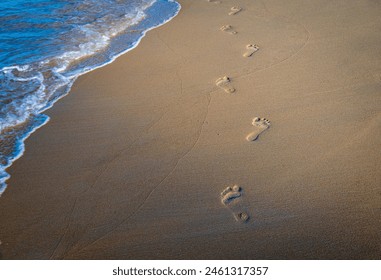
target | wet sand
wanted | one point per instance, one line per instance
(133, 162)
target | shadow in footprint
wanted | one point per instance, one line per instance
(234, 10)
(229, 29)
(214, 1)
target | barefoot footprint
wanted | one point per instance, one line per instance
(251, 49)
(260, 124)
(235, 10)
(229, 29)
(231, 198)
(225, 84)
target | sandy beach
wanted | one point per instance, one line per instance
(280, 101)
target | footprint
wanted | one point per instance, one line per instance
(229, 29)
(235, 10)
(251, 49)
(260, 124)
(231, 198)
(230, 193)
(214, 1)
(225, 84)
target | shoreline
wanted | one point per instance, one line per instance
(32, 125)
(133, 161)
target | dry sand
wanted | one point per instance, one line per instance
(134, 159)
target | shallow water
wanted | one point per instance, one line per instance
(46, 44)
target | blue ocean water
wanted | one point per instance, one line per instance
(46, 44)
